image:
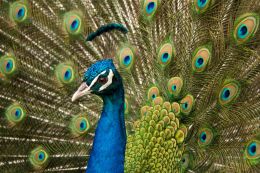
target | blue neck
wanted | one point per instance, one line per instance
(108, 152)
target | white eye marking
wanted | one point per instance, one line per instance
(96, 78)
(84, 88)
(109, 81)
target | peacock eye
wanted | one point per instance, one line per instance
(175, 85)
(126, 57)
(65, 73)
(150, 7)
(205, 137)
(102, 80)
(15, 114)
(39, 158)
(8, 65)
(201, 6)
(187, 104)
(166, 54)
(79, 125)
(229, 93)
(245, 27)
(73, 23)
(19, 11)
(252, 151)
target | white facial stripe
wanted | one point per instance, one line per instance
(96, 78)
(84, 89)
(109, 81)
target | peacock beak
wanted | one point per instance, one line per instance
(84, 89)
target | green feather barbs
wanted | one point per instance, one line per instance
(8, 65)
(79, 125)
(201, 58)
(72, 23)
(245, 27)
(252, 151)
(229, 92)
(15, 114)
(39, 158)
(18, 11)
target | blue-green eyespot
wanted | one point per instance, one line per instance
(8, 65)
(201, 6)
(245, 27)
(152, 93)
(175, 85)
(18, 11)
(252, 151)
(15, 114)
(150, 7)
(186, 104)
(79, 125)
(201, 58)
(229, 92)
(166, 53)
(65, 73)
(39, 158)
(126, 57)
(205, 137)
(73, 23)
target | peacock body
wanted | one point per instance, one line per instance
(178, 81)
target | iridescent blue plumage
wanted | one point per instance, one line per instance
(108, 152)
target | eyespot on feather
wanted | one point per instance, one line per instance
(152, 93)
(8, 65)
(144, 110)
(72, 23)
(175, 85)
(18, 11)
(205, 137)
(65, 73)
(150, 8)
(126, 57)
(79, 125)
(229, 92)
(201, 58)
(245, 27)
(39, 158)
(15, 114)
(201, 6)
(186, 104)
(252, 151)
(166, 54)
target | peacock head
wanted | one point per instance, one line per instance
(101, 79)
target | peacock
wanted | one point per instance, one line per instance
(138, 86)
